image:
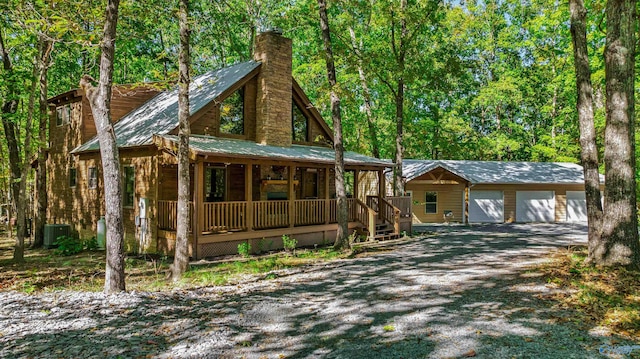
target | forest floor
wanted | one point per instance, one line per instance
(482, 291)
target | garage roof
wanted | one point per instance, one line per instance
(495, 172)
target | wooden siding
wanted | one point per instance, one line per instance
(124, 99)
(449, 199)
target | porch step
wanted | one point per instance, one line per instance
(386, 237)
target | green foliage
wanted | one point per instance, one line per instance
(91, 244)
(289, 243)
(244, 249)
(68, 245)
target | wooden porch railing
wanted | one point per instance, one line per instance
(225, 216)
(310, 211)
(363, 214)
(390, 213)
(233, 216)
(402, 203)
(168, 215)
(270, 214)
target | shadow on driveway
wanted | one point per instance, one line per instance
(464, 291)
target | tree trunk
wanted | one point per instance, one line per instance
(589, 150)
(400, 52)
(398, 188)
(9, 108)
(619, 244)
(343, 229)
(41, 173)
(375, 145)
(181, 257)
(100, 100)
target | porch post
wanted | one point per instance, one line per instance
(327, 206)
(248, 195)
(381, 190)
(356, 173)
(292, 195)
(198, 209)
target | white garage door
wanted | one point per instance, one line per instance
(576, 206)
(535, 206)
(486, 206)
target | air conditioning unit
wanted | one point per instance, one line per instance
(53, 231)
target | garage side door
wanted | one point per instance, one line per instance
(576, 206)
(535, 206)
(486, 206)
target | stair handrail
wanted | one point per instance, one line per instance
(390, 213)
(368, 219)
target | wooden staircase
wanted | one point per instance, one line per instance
(379, 219)
(385, 231)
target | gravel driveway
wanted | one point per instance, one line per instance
(460, 293)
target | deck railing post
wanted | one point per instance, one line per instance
(292, 195)
(248, 190)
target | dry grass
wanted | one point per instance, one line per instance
(43, 270)
(608, 297)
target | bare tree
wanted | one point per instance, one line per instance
(343, 229)
(181, 257)
(589, 150)
(619, 245)
(100, 100)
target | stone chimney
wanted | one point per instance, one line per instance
(273, 103)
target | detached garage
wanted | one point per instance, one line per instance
(495, 192)
(486, 207)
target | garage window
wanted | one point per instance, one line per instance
(431, 202)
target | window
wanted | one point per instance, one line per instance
(63, 114)
(232, 114)
(431, 202)
(72, 177)
(214, 184)
(299, 124)
(129, 186)
(92, 179)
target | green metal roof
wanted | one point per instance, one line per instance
(216, 146)
(159, 115)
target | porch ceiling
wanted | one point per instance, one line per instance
(223, 147)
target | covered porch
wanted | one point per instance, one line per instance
(238, 199)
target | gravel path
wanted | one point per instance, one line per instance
(461, 293)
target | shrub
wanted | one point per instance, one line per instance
(244, 249)
(91, 244)
(68, 245)
(289, 243)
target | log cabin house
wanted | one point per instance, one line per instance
(261, 163)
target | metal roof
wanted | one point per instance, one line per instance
(494, 172)
(216, 146)
(159, 115)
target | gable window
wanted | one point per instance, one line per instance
(215, 184)
(129, 186)
(73, 176)
(299, 124)
(63, 114)
(232, 114)
(92, 179)
(431, 202)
